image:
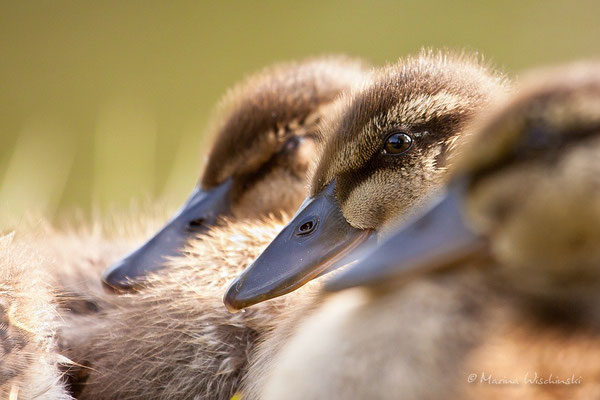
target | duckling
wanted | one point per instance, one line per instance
(387, 150)
(265, 132)
(28, 358)
(493, 291)
(271, 161)
(265, 129)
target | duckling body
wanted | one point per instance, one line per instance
(174, 339)
(519, 320)
(347, 350)
(28, 358)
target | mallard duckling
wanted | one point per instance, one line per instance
(271, 184)
(265, 132)
(387, 151)
(28, 360)
(265, 142)
(512, 308)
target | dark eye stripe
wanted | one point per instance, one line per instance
(539, 142)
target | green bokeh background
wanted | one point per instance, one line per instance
(102, 102)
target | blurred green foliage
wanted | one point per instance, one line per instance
(105, 101)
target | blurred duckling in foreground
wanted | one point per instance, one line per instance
(174, 338)
(265, 132)
(497, 282)
(386, 151)
(28, 358)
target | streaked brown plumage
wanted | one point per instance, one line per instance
(432, 97)
(260, 116)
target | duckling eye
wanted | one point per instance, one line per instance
(306, 227)
(291, 145)
(397, 143)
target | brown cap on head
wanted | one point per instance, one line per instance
(431, 98)
(546, 112)
(260, 113)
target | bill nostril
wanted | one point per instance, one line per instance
(306, 227)
(196, 224)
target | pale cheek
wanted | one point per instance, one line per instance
(365, 208)
(383, 200)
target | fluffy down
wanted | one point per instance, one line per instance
(28, 358)
(175, 339)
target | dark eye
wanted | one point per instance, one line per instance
(397, 143)
(291, 145)
(306, 227)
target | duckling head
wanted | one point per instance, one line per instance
(265, 131)
(387, 149)
(526, 193)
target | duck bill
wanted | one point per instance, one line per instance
(433, 241)
(199, 213)
(298, 255)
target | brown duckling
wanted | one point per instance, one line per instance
(493, 291)
(387, 150)
(28, 358)
(206, 348)
(265, 141)
(265, 132)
